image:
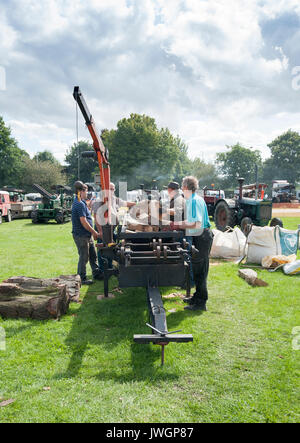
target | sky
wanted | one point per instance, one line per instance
(215, 72)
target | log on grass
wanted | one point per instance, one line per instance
(251, 277)
(40, 304)
(73, 283)
(27, 297)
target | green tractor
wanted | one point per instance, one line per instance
(56, 207)
(248, 208)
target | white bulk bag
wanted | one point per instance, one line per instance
(261, 242)
(270, 241)
(287, 240)
(229, 244)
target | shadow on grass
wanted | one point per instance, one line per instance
(111, 324)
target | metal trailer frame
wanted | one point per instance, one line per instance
(152, 260)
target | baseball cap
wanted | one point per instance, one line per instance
(173, 185)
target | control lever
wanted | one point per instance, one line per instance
(162, 344)
(163, 334)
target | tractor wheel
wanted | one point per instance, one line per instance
(276, 222)
(34, 217)
(246, 225)
(0, 218)
(8, 217)
(59, 218)
(224, 216)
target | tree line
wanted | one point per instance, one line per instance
(140, 152)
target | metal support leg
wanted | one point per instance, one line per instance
(105, 277)
(107, 273)
(188, 279)
(163, 354)
(160, 334)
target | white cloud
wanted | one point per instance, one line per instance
(8, 37)
(203, 68)
(39, 137)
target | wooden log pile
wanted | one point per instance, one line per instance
(144, 217)
(27, 297)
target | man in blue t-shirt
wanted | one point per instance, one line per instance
(83, 231)
(197, 227)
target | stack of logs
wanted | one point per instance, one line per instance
(27, 297)
(144, 217)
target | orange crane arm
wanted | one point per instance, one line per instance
(102, 156)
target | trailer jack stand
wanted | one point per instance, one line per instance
(162, 343)
(163, 352)
(160, 334)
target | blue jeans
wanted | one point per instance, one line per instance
(87, 253)
(201, 265)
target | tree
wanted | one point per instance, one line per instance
(46, 156)
(87, 166)
(206, 173)
(270, 172)
(183, 164)
(46, 174)
(140, 152)
(285, 156)
(12, 158)
(238, 162)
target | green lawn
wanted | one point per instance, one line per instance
(241, 366)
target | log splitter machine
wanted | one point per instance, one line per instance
(145, 259)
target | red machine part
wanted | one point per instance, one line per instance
(101, 151)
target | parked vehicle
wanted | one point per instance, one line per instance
(211, 196)
(20, 207)
(244, 211)
(283, 192)
(53, 206)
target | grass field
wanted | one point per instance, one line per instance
(241, 366)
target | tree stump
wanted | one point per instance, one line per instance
(27, 297)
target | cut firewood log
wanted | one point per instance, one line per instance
(27, 297)
(40, 304)
(73, 283)
(251, 277)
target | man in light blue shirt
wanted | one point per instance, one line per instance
(197, 227)
(196, 212)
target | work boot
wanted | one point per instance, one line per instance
(196, 307)
(98, 276)
(188, 300)
(87, 282)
